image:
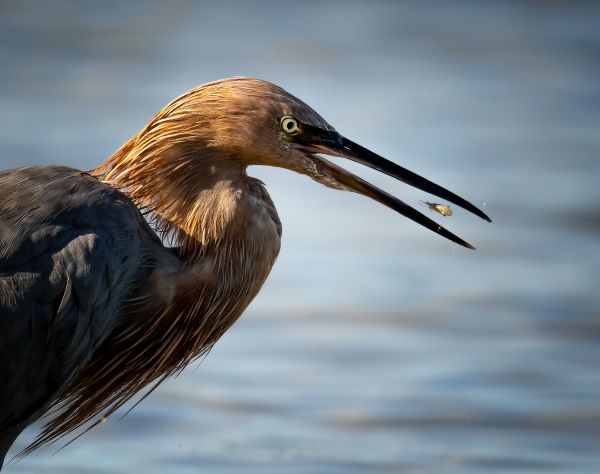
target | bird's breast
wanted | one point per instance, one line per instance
(221, 277)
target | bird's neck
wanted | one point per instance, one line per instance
(193, 195)
(222, 224)
(227, 237)
(185, 300)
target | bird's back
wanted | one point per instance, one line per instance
(71, 249)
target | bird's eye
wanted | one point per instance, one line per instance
(289, 125)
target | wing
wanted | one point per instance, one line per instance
(71, 248)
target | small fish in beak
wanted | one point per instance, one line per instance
(442, 209)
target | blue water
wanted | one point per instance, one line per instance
(375, 345)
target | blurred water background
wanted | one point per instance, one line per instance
(375, 346)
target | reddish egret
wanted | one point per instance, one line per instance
(95, 307)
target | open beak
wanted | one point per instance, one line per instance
(331, 143)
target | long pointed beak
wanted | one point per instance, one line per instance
(333, 144)
(355, 152)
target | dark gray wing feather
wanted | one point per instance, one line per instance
(71, 248)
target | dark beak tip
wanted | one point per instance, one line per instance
(485, 217)
(464, 243)
(477, 212)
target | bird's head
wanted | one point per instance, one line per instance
(265, 125)
(248, 121)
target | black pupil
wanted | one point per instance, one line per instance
(290, 125)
